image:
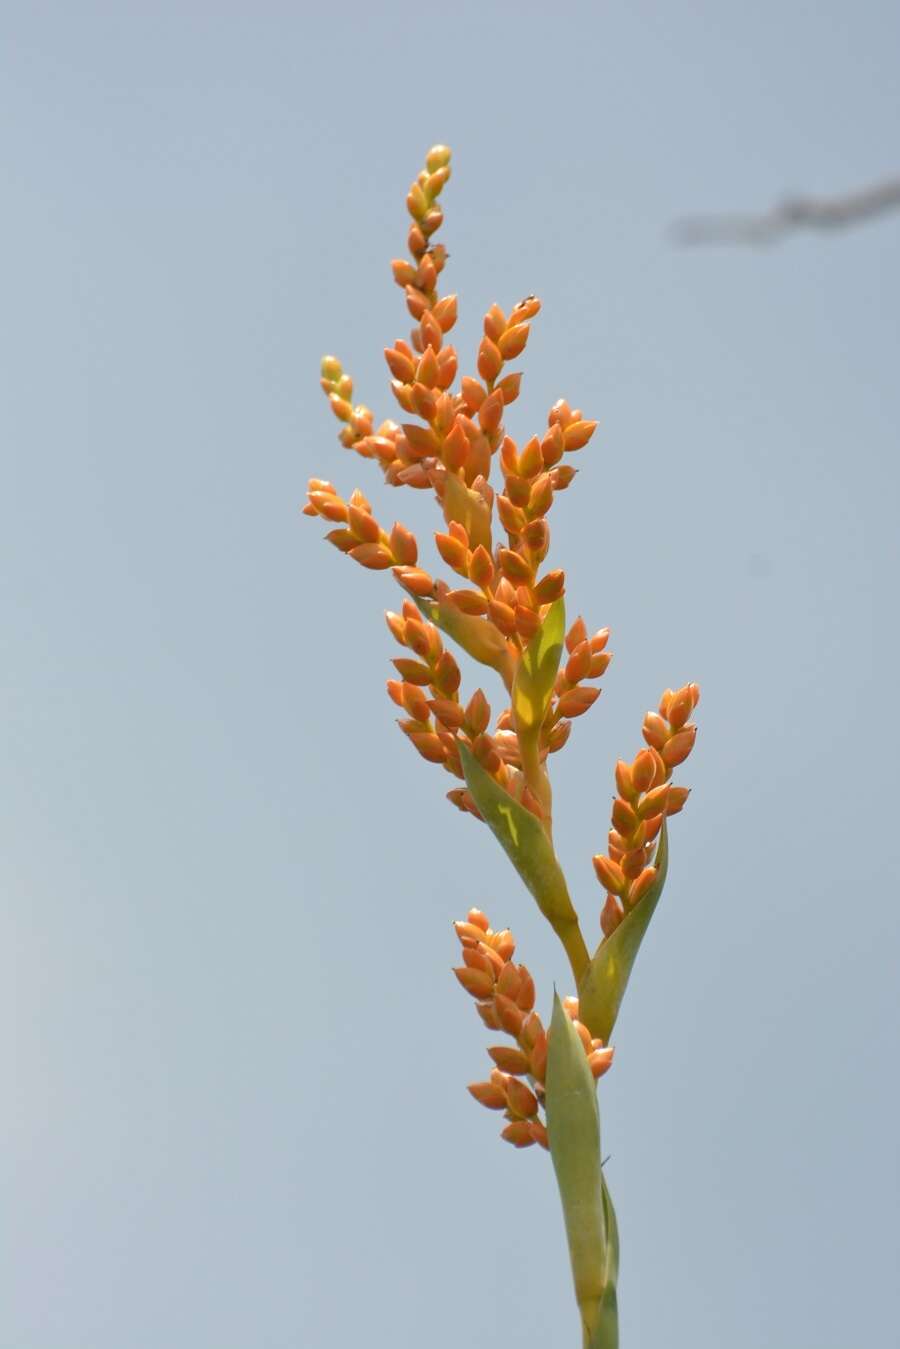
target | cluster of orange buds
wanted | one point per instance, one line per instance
(505, 996)
(437, 720)
(450, 440)
(645, 798)
(361, 536)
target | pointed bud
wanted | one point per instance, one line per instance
(677, 799)
(577, 701)
(643, 771)
(509, 1060)
(612, 915)
(478, 714)
(477, 982)
(520, 1099)
(600, 1061)
(655, 802)
(490, 361)
(609, 874)
(624, 781)
(655, 731)
(641, 885)
(681, 705)
(576, 635)
(488, 1094)
(676, 750)
(577, 434)
(519, 1134)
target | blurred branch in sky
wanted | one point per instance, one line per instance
(793, 213)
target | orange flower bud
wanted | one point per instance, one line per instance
(624, 781)
(467, 601)
(676, 800)
(469, 933)
(562, 476)
(509, 981)
(478, 713)
(512, 342)
(655, 731)
(609, 874)
(490, 414)
(503, 943)
(538, 1058)
(632, 863)
(477, 982)
(448, 713)
(510, 1016)
(446, 674)
(539, 1133)
(576, 702)
(416, 581)
(508, 387)
(612, 915)
(509, 1060)
(679, 747)
(478, 919)
(578, 434)
(428, 745)
(570, 1007)
(519, 1133)
(558, 736)
(643, 771)
(681, 705)
(481, 568)
(490, 361)
(494, 322)
(576, 635)
(641, 885)
(584, 1035)
(525, 996)
(529, 463)
(514, 566)
(624, 816)
(600, 1061)
(445, 312)
(412, 671)
(548, 589)
(654, 803)
(520, 1099)
(404, 546)
(477, 958)
(473, 393)
(455, 450)
(342, 539)
(541, 497)
(488, 1015)
(488, 1094)
(372, 555)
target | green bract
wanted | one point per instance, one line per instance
(536, 675)
(573, 1126)
(601, 990)
(523, 839)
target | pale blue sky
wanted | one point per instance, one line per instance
(235, 1061)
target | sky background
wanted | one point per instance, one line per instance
(234, 1057)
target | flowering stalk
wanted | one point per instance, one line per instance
(503, 606)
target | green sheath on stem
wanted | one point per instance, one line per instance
(525, 842)
(573, 1125)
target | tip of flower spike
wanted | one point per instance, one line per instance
(438, 157)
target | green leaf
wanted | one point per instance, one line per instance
(469, 509)
(537, 670)
(573, 1126)
(601, 990)
(524, 840)
(478, 638)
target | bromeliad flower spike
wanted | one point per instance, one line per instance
(504, 607)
